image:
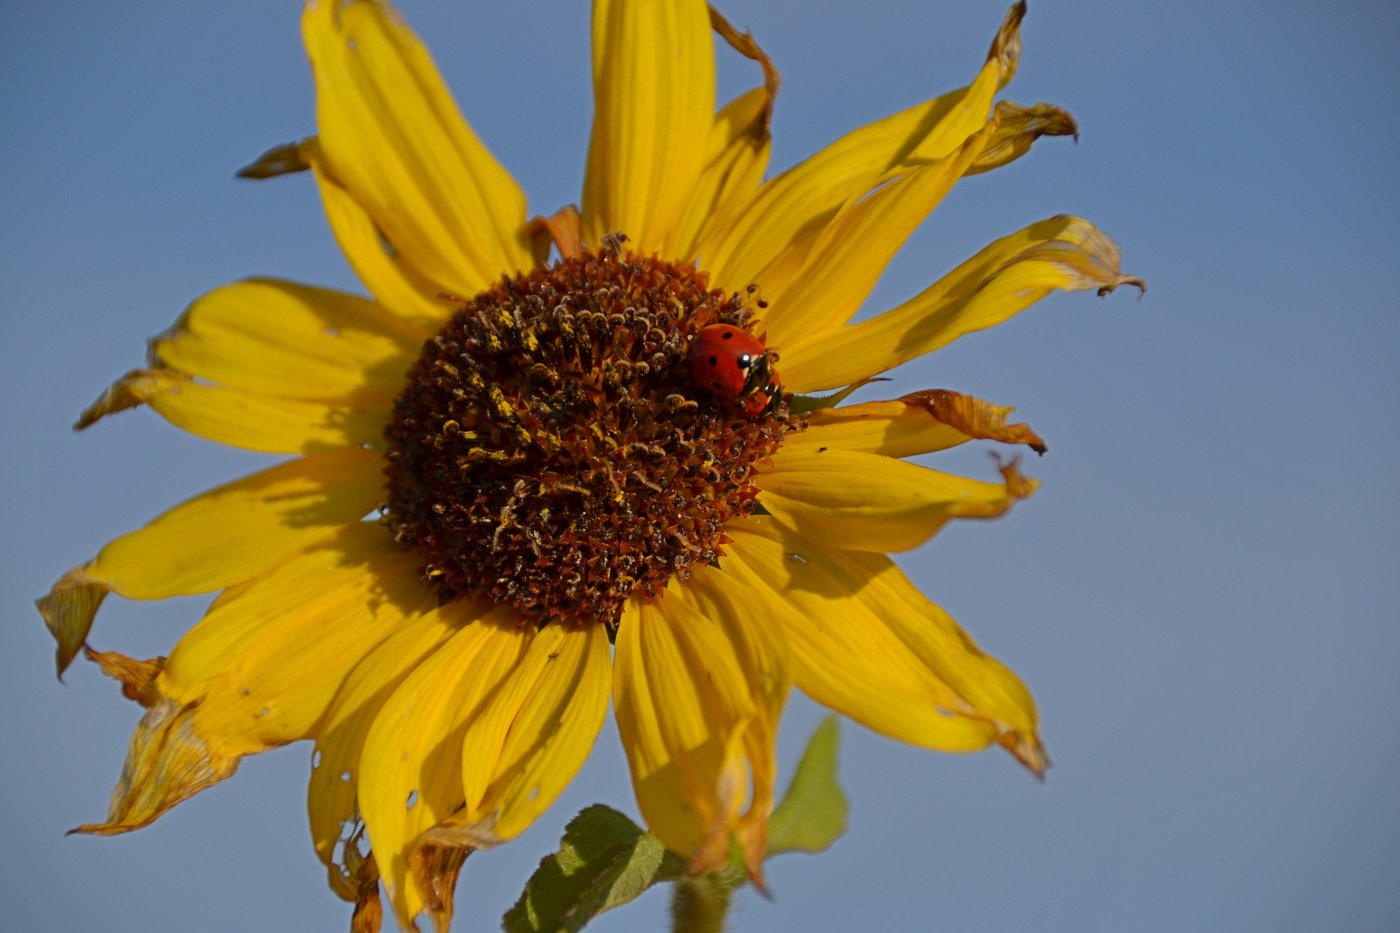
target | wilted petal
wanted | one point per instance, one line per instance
(847, 258)
(1017, 128)
(918, 423)
(244, 419)
(767, 662)
(999, 282)
(685, 706)
(869, 502)
(168, 762)
(768, 243)
(138, 678)
(868, 644)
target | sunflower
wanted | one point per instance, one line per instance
(555, 462)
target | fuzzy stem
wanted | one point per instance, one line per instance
(699, 905)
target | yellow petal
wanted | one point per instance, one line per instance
(684, 707)
(335, 776)
(410, 772)
(654, 104)
(869, 502)
(279, 338)
(918, 423)
(392, 135)
(737, 157)
(767, 244)
(869, 645)
(766, 659)
(245, 419)
(265, 666)
(851, 252)
(233, 533)
(532, 737)
(740, 143)
(999, 282)
(244, 528)
(520, 751)
(388, 275)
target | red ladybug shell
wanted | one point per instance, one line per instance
(734, 365)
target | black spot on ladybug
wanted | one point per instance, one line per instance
(714, 360)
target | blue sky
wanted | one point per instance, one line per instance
(1204, 595)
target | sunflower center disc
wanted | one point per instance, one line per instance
(551, 450)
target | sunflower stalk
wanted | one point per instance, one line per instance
(700, 905)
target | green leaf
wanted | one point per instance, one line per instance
(604, 860)
(813, 812)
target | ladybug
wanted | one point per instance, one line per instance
(734, 365)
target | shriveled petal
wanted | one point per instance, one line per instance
(249, 420)
(335, 777)
(767, 244)
(918, 423)
(766, 659)
(279, 338)
(264, 666)
(869, 645)
(392, 135)
(843, 262)
(167, 762)
(870, 502)
(411, 767)
(562, 230)
(1002, 280)
(685, 705)
(654, 105)
(138, 678)
(1017, 128)
(260, 670)
(68, 610)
